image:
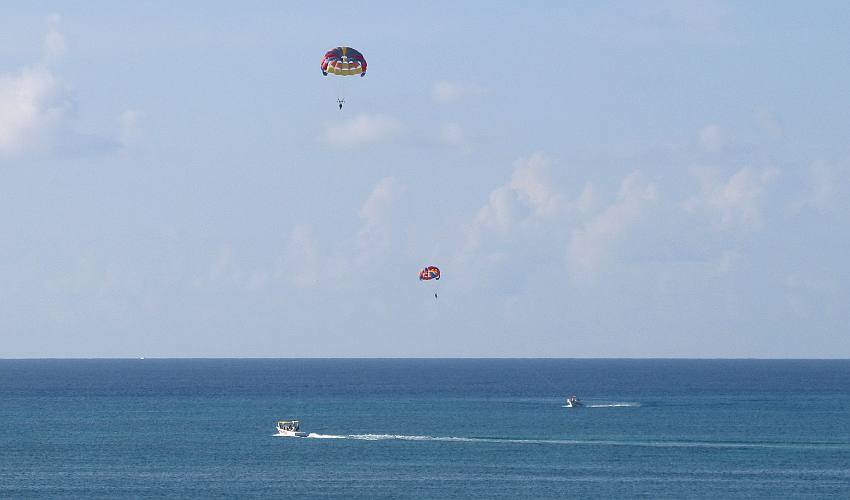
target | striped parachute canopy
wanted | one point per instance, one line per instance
(429, 273)
(344, 61)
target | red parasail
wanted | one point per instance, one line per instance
(429, 273)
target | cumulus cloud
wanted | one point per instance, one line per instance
(590, 246)
(305, 266)
(37, 108)
(302, 263)
(530, 208)
(497, 213)
(374, 236)
(527, 200)
(54, 41)
(452, 135)
(769, 123)
(711, 138)
(89, 276)
(129, 130)
(735, 202)
(529, 186)
(34, 107)
(360, 130)
(587, 200)
(227, 270)
(665, 22)
(822, 187)
(446, 92)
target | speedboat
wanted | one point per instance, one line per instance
(290, 428)
(573, 402)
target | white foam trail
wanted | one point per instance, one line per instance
(614, 405)
(314, 436)
(576, 442)
(402, 437)
(325, 436)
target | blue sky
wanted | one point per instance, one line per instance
(617, 179)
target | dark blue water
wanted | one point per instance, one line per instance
(425, 428)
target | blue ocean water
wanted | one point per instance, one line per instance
(425, 428)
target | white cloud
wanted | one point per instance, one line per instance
(225, 271)
(374, 236)
(711, 138)
(385, 192)
(586, 201)
(34, 106)
(37, 109)
(305, 266)
(663, 22)
(529, 185)
(452, 135)
(223, 267)
(447, 92)
(498, 212)
(735, 202)
(769, 123)
(529, 198)
(129, 131)
(89, 276)
(362, 129)
(822, 186)
(54, 41)
(728, 261)
(590, 246)
(302, 263)
(530, 208)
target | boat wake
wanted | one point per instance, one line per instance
(582, 442)
(386, 437)
(402, 437)
(611, 405)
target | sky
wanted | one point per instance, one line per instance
(604, 179)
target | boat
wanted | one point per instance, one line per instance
(573, 402)
(290, 428)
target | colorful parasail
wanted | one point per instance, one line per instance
(344, 61)
(429, 273)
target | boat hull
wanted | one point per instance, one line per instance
(294, 434)
(573, 402)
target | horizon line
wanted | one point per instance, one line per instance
(600, 358)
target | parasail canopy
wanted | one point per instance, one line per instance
(344, 61)
(429, 273)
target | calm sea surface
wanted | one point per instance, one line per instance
(425, 428)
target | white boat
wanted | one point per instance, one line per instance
(573, 402)
(290, 428)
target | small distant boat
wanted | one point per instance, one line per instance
(290, 428)
(573, 402)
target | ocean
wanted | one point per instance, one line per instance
(425, 428)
